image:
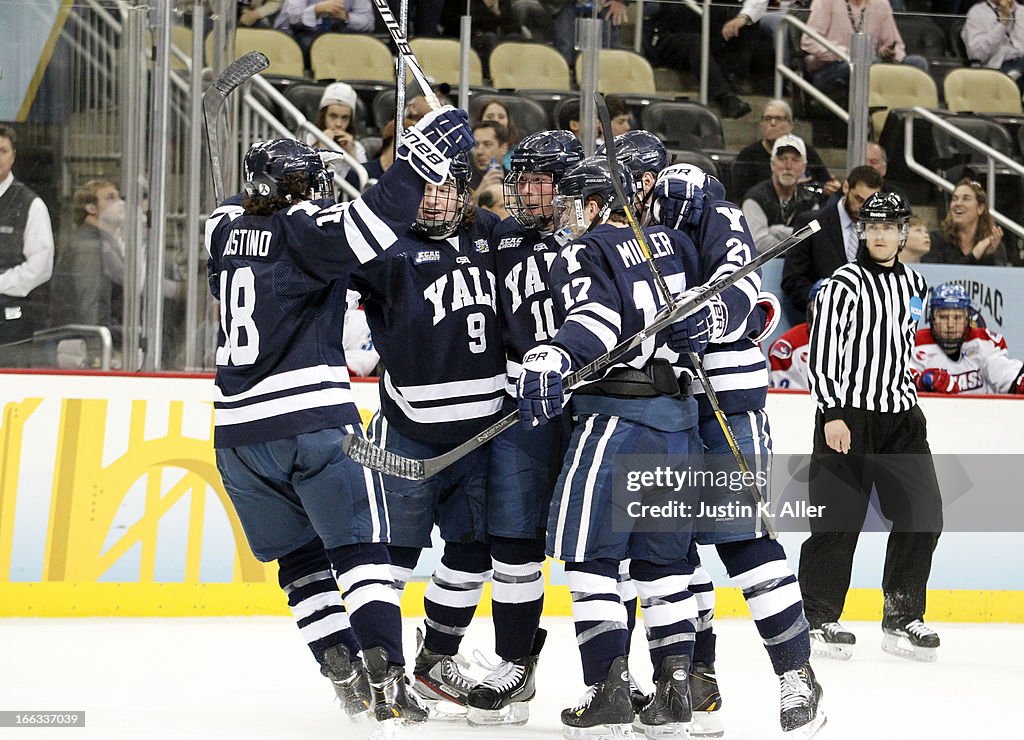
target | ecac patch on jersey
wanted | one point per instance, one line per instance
(916, 308)
(510, 242)
(427, 255)
(481, 245)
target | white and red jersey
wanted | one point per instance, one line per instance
(787, 358)
(984, 365)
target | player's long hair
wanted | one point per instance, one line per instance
(295, 184)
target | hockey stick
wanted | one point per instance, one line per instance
(404, 49)
(670, 302)
(213, 100)
(369, 455)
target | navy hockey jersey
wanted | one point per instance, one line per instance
(431, 306)
(734, 364)
(281, 283)
(604, 292)
(523, 258)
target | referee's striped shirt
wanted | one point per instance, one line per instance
(864, 324)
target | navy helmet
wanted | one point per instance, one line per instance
(591, 177)
(268, 165)
(545, 153)
(452, 199)
(950, 296)
(641, 151)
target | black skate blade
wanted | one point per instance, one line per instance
(902, 648)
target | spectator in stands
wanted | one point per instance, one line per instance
(742, 37)
(833, 245)
(994, 38)
(753, 163)
(968, 235)
(375, 167)
(307, 19)
(919, 241)
(257, 13)
(492, 198)
(773, 205)
(26, 258)
(564, 13)
(676, 44)
(488, 154)
(951, 356)
(879, 160)
(336, 118)
(618, 112)
(498, 112)
(837, 20)
(416, 105)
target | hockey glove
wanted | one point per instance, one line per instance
(1017, 386)
(936, 380)
(690, 334)
(679, 197)
(717, 317)
(539, 388)
(437, 137)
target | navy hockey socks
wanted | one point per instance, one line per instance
(517, 595)
(453, 594)
(305, 576)
(599, 616)
(364, 575)
(703, 591)
(670, 611)
(773, 595)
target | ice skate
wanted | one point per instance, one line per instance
(637, 697)
(800, 694)
(605, 710)
(832, 640)
(392, 701)
(502, 697)
(706, 701)
(349, 680)
(440, 682)
(669, 712)
(914, 640)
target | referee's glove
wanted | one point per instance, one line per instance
(539, 388)
(936, 380)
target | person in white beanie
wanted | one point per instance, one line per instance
(336, 118)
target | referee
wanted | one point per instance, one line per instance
(870, 432)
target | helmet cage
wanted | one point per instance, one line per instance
(530, 210)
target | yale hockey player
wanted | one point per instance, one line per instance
(279, 264)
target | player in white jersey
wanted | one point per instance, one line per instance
(951, 356)
(788, 355)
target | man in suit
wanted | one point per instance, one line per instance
(833, 245)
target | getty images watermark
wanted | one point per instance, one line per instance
(670, 493)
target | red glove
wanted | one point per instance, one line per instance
(1017, 386)
(936, 380)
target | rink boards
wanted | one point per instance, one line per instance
(110, 504)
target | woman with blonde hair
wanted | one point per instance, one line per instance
(968, 235)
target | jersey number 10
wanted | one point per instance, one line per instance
(237, 302)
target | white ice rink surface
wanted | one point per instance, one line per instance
(253, 678)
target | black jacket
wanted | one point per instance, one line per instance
(814, 258)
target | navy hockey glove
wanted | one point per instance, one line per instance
(437, 137)
(679, 195)
(690, 334)
(539, 388)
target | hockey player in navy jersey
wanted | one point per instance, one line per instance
(687, 199)
(524, 461)
(603, 292)
(279, 264)
(645, 156)
(431, 307)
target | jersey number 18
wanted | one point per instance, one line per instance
(237, 302)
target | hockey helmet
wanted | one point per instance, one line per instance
(641, 151)
(885, 208)
(590, 178)
(444, 206)
(269, 165)
(951, 329)
(547, 154)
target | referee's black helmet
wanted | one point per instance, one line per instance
(885, 208)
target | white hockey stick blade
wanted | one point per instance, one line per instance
(233, 75)
(369, 455)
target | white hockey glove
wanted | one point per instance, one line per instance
(768, 303)
(437, 137)
(539, 388)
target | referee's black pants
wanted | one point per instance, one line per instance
(890, 452)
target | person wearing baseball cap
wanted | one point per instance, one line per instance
(771, 206)
(336, 118)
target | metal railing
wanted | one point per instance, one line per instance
(782, 71)
(992, 156)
